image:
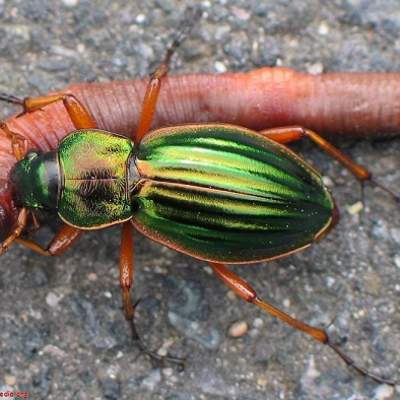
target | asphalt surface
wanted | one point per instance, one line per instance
(62, 333)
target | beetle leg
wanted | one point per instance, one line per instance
(246, 292)
(35, 223)
(10, 98)
(80, 117)
(63, 239)
(21, 223)
(290, 134)
(150, 102)
(19, 144)
(153, 87)
(126, 271)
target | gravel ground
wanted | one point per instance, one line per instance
(62, 335)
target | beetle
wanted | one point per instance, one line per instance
(199, 189)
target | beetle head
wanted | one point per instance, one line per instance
(35, 180)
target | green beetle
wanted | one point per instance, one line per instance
(216, 192)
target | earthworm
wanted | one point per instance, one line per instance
(340, 104)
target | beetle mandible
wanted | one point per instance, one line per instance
(217, 192)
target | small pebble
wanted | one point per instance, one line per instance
(92, 276)
(112, 371)
(208, 270)
(108, 295)
(10, 380)
(53, 351)
(360, 314)
(395, 232)
(258, 323)
(52, 299)
(63, 51)
(70, 3)
(397, 260)
(168, 372)
(323, 28)
(355, 208)
(240, 13)
(286, 303)
(327, 181)
(330, 281)
(315, 69)
(140, 18)
(383, 392)
(373, 283)
(231, 295)
(262, 381)
(310, 374)
(219, 66)
(24, 317)
(238, 329)
(81, 48)
(163, 350)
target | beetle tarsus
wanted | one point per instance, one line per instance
(10, 98)
(20, 226)
(190, 16)
(361, 370)
(394, 196)
(159, 359)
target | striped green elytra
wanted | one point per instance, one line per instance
(216, 192)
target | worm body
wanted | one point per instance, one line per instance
(361, 105)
